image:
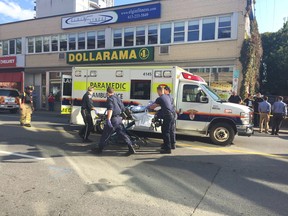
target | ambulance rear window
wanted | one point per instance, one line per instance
(140, 89)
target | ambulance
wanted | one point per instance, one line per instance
(201, 112)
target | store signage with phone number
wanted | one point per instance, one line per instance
(141, 54)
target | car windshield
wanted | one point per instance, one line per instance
(9, 93)
(211, 92)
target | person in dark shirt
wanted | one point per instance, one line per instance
(164, 102)
(86, 108)
(234, 98)
(279, 110)
(258, 99)
(114, 123)
(249, 101)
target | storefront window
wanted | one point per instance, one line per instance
(128, 37)
(46, 44)
(153, 34)
(63, 42)
(31, 45)
(72, 41)
(38, 44)
(81, 41)
(179, 32)
(12, 47)
(19, 46)
(101, 39)
(140, 35)
(54, 43)
(165, 33)
(224, 29)
(193, 30)
(208, 29)
(117, 35)
(5, 47)
(91, 40)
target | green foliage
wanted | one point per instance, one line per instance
(274, 68)
(250, 58)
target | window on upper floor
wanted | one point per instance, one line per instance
(101, 39)
(12, 47)
(165, 33)
(19, 46)
(38, 44)
(72, 41)
(117, 36)
(208, 29)
(63, 42)
(54, 43)
(128, 37)
(5, 48)
(179, 32)
(46, 43)
(81, 41)
(193, 30)
(140, 35)
(224, 27)
(91, 40)
(153, 34)
(31, 45)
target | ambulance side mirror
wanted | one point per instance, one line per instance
(204, 99)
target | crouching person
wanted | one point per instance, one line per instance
(114, 123)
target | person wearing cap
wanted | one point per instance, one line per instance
(114, 123)
(279, 110)
(164, 102)
(167, 91)
(86, 108)
(26, 106)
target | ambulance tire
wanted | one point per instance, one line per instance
(222, 134)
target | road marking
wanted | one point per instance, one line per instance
(229, 150)
(21, 155)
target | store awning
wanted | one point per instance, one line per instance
(11, 77)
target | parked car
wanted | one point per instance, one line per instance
(9, 99)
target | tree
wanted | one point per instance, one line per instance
(250, 58)
(274, 67)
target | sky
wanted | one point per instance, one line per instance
(270, 14)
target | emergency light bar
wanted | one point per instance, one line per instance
(193, 77)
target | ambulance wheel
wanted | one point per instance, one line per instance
(100, 126)
(222, 134)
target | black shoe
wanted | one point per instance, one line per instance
(81, 135)
(277, 134)
(96, 150)
(27, 125)
(272, 134)
(87, 141)
(173, 147)
(131, 150)
(165, 151)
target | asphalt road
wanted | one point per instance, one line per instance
(47, 170)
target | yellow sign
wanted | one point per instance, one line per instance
(102, 86)
(66, 109)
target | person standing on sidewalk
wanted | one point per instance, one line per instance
(265, 110)
(279, 110)
(51, 102)
(258, 99)
(26, 106)
(234, 98)
(86, 108)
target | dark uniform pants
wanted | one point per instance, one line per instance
(167, 128)
(173, 131)
(118, 127)
(276, 122)
(87, 118)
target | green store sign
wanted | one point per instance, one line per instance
(140, 54)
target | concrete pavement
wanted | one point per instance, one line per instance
(46, 170)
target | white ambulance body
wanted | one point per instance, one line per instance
(200, 111)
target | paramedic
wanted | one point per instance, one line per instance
(26, 107)
(86, 108)
(167, 110)
(114, 123)
(167, 91)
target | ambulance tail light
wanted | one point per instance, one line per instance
(189, 76)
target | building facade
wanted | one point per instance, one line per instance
(204, 37)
